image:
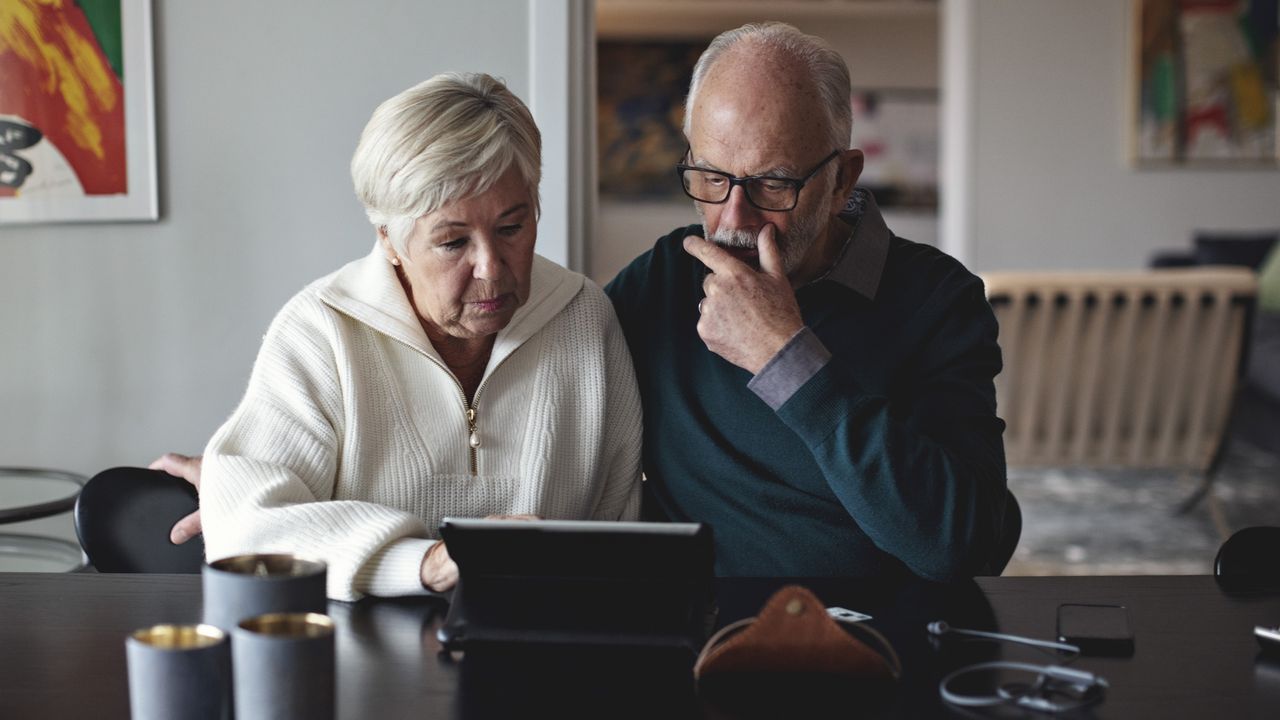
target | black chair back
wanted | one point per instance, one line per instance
(1248, 249)
(1010, 533)
(1249, 560)
(123, 517)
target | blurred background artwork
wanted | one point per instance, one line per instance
(640, 113)
(1208, 73)
(897, 131)
(64, 117)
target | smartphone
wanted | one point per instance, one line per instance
(1096, 629)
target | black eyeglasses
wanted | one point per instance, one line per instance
(767, 192)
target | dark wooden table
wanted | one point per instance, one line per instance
(62, 650)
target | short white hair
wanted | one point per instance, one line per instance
(445, 139)
(827, 70)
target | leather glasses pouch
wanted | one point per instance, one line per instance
(792, 656)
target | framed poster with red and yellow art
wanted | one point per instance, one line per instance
(1206, 84)
(77, 123)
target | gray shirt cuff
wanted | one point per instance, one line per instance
(785, 373)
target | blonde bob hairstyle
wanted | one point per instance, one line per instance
(443, 140)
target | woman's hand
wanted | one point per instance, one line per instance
(187, 468)
(439, 572)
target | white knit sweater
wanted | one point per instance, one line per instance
(351, 442)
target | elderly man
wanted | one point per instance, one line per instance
(817, 389)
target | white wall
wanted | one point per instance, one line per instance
(1050, 185)
(122, 341)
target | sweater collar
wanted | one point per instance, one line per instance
(368, 291)
(861, 261)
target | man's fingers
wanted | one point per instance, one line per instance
(186, 467)
(769, 253)
(172, 463)
(712, 256)
(162, 462)
(186, 528)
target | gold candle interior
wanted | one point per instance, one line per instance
(268, 565)
(299, 625)
(179, 637)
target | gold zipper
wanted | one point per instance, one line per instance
(473, 436)
(473, 441)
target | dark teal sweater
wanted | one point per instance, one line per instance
(889, 460)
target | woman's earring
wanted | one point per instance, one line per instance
(395, 261)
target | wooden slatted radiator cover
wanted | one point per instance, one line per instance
(1132, 368)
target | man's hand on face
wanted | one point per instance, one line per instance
(748, 315)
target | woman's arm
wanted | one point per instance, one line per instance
(269, 471)
(620, 496)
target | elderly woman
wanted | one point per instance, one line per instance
(450, 372)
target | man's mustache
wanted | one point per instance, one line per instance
(734, 239)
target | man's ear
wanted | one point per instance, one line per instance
(849, 170)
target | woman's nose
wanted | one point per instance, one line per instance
(488, 261)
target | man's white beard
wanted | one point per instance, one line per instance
(794, 244)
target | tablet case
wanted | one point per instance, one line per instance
(579, 582)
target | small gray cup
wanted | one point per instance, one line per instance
(179, 671)
(245, 586)
(284, 667)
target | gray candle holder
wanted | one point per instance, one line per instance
(179, 671)
(244, 586)
(284, 667)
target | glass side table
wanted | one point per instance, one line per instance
(32, 494)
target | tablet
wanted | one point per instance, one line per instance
(579, 582)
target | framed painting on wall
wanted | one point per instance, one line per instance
(1207, 82)
(77, 123)
(640, 114)
(897, 131)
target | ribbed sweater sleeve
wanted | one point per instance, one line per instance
(621, 490)
(270, 463)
